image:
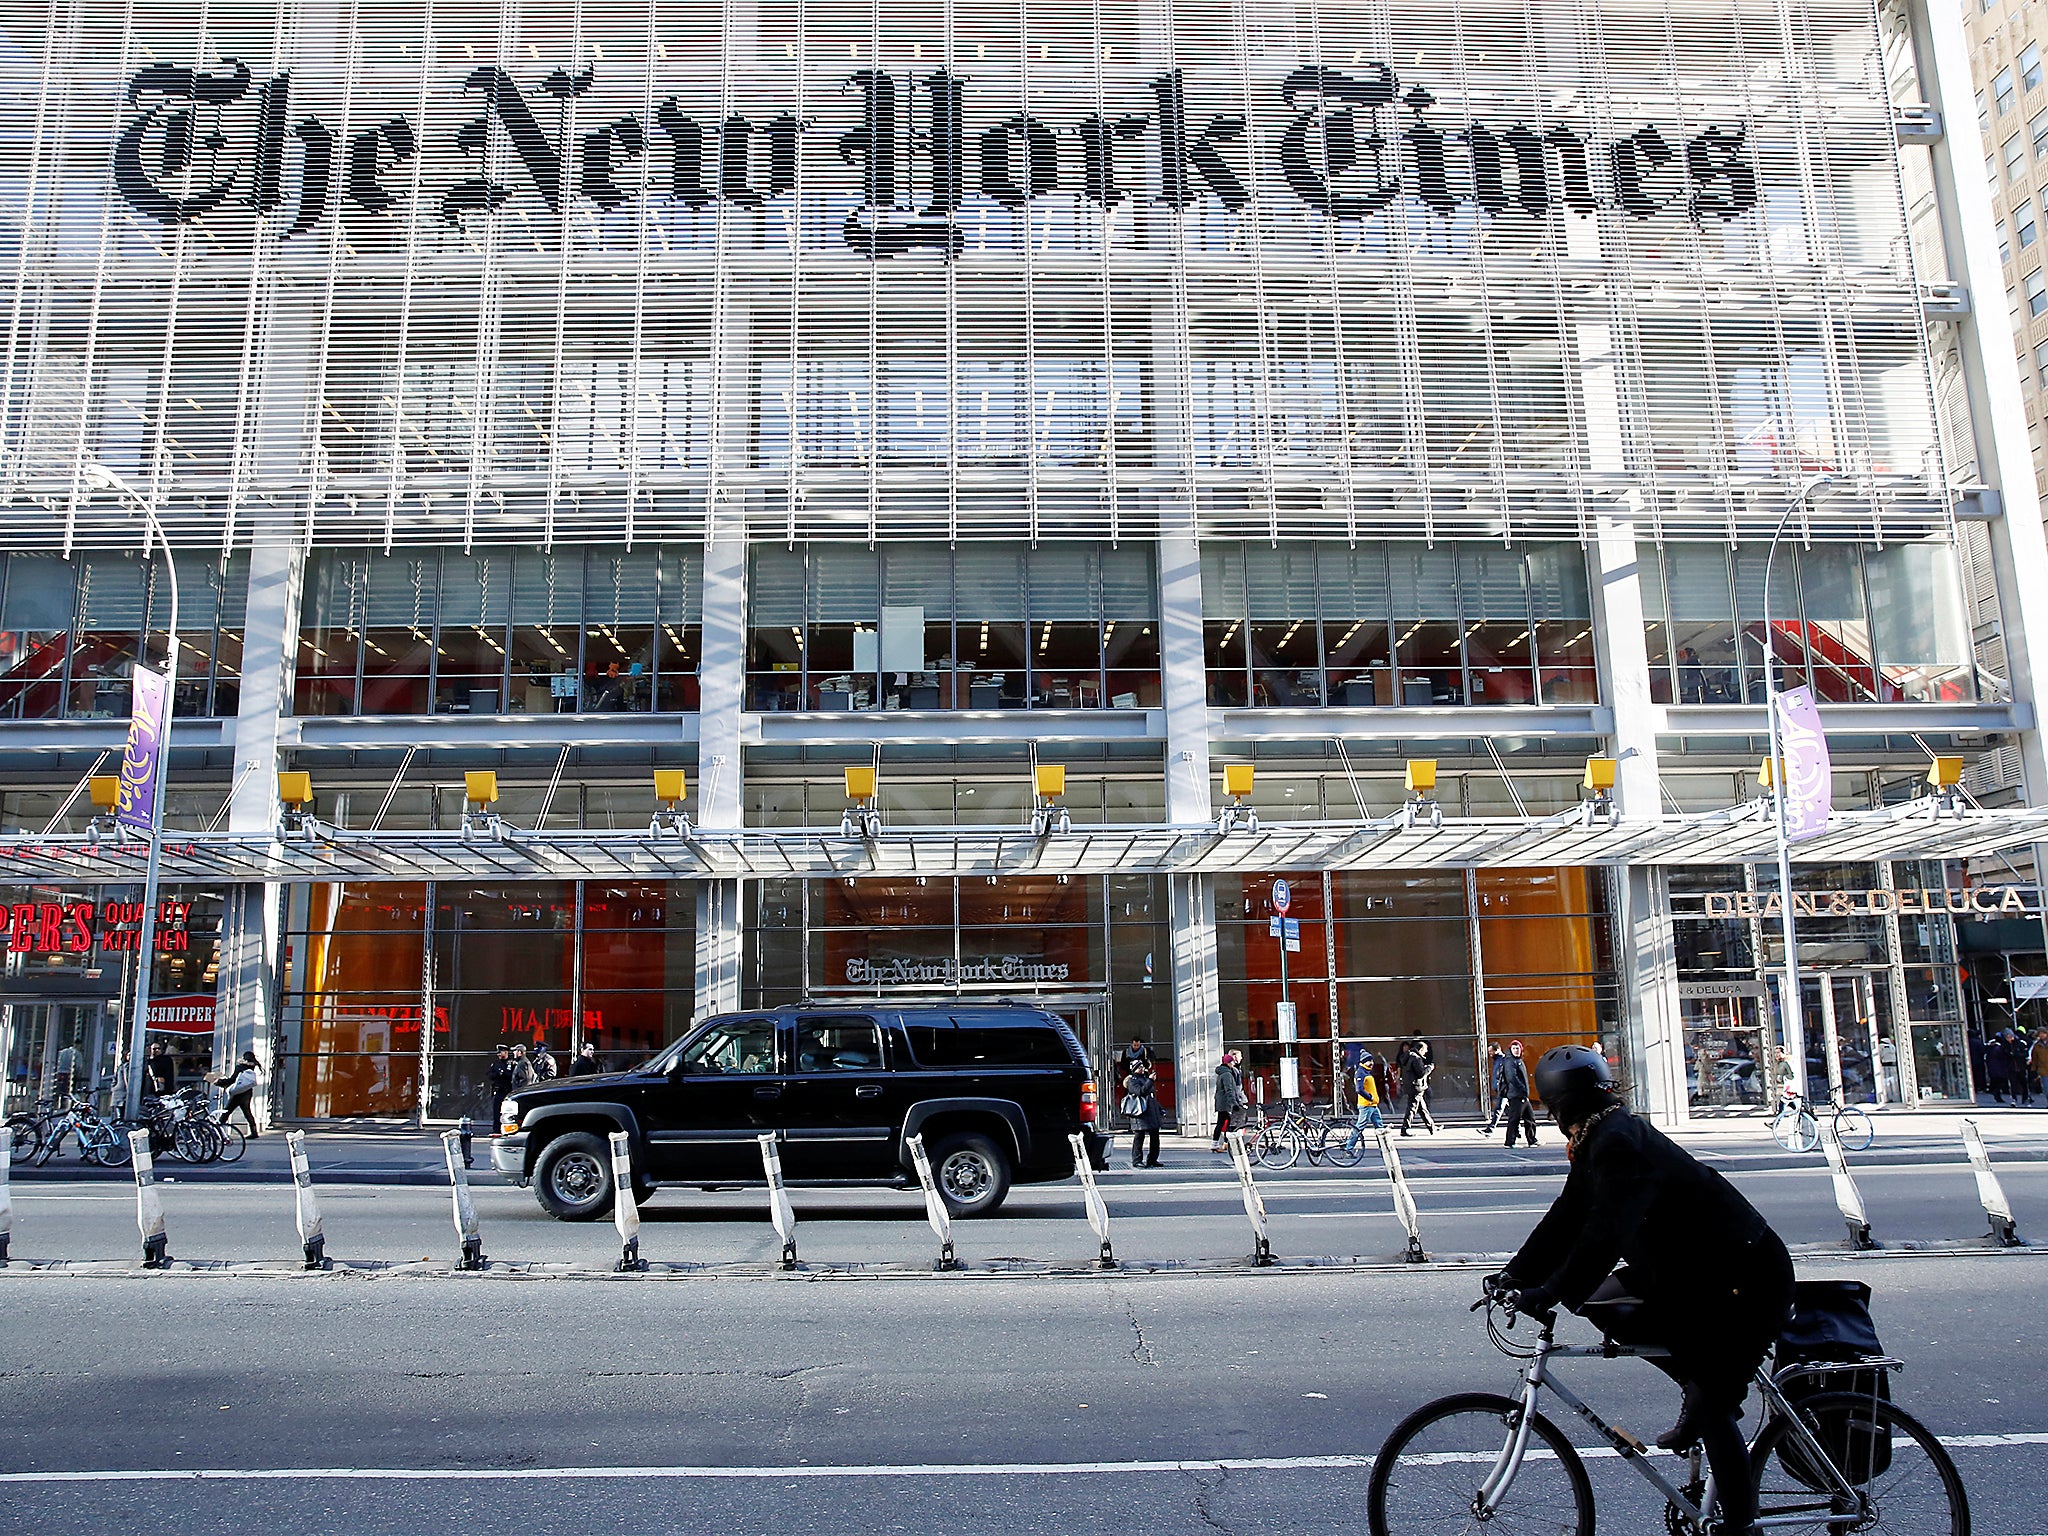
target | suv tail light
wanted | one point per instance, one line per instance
(1088, 1103)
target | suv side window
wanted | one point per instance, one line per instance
(831, 1042)
(737, 1045)
(976, 1039)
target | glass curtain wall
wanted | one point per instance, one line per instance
(1859, 622)
(613, 965)
(1386, 956)
(1306, 623)
(980, 626)
(70, 631)
(500, 632)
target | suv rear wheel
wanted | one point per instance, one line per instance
(972, 1173)
(572, 1177)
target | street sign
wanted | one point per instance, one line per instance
(1290, 926)
(1290, 1078)
(1283, 1015)
(1282, 897)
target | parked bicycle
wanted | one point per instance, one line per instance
(100, 1140)
(184, 1124)
(1798, 1130)
(1281, 1143)
(1828, 1461)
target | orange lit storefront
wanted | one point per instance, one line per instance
(568, 962)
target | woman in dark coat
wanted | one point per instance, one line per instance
(1145, 1123)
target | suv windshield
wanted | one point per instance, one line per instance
(737, 1045)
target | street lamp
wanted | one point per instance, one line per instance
(103, 478)
(1795, 1023)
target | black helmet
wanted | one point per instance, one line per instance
(1574, 1081)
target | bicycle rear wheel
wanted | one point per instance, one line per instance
(1901, 1472)
(25, 1134)
(1344, 1146)
(111, 1148)
(1426, 1478)
(232, 1142)
(1277, 1147)
(1853, 1128)
(1796, 1130)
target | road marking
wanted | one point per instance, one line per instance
(763, 1474)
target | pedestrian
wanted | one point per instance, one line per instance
(1493, 1078)
(543, 1059)
(522, 1069)
(1141, 1105)
(67, 1071)
(585, 1062)
(1997, 1067)
(1229, 1096)
(238, 1089)
(1366, 1094)
(500, 1080)
(1137, 1054)
(1512, 1083)
(2016, 1068)
(1415, 1065)
(2037, 1060)
(162, 1069)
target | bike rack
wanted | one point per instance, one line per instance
(1254, 1202)
(312, 1234)
(779, 1209)
(1848, 1200)
(934, 1206)
(1091, 1198)
(625, 1208)
(149, 1209)
(467, 1232)
(1990, 1194)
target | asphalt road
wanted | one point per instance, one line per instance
(1176, 1403)
(1473, 1198)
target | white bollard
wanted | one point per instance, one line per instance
(625, 1209)
(467, 1232)
(312, 1235)
(1847, 1198)
(149, 1209)
(1254, 1203)
(935, 1210)
(6, 1200)
(779, 1209)
(1091, 1197)
(1990, 1194)
(1404, 1200)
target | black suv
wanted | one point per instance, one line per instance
(995, 1089)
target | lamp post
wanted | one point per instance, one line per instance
(100, 476)
(1795, 1023)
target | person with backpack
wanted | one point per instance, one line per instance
(1415, 1067)
(1511, 1083)
(1366, 1095)
(1230, 1098)
(238, 1089)
(1141, 1106)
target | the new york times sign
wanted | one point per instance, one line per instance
(913, 148)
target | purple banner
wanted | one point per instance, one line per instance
(138, 763)
(1809, 776)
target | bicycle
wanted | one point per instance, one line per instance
(1797, 1130)
(1836, 1462)
(100, 1140)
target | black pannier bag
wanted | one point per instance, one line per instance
(1830, 1323)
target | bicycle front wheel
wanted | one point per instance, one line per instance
(1345, 1146)
(1796, 1130)
(112, 1150)
(232, 1142)
(1853, 1128)
(1278, 1147)
(1427, 1477)
(1903, 1477)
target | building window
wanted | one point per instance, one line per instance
(2030, 229)
(2038, 128)
(505, 632)
(2003, 92)
(71, 631)
(1983, 117)
(1862, 624)
(2015, 158)
(2041, 364)
(2030, 66)
(2037, 293)
(986, 626)
(2004, 243)
(1303, 623)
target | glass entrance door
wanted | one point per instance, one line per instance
(1847, 1060)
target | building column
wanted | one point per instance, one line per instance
(1191, 899)
(720, 805)
(246, 1016)
(1645, 954)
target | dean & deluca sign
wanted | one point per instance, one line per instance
(1914, 901)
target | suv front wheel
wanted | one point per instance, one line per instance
(972, 1173)
(572, 1177)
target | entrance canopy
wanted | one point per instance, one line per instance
(318, 854)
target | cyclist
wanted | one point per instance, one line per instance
(1704, 1276)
